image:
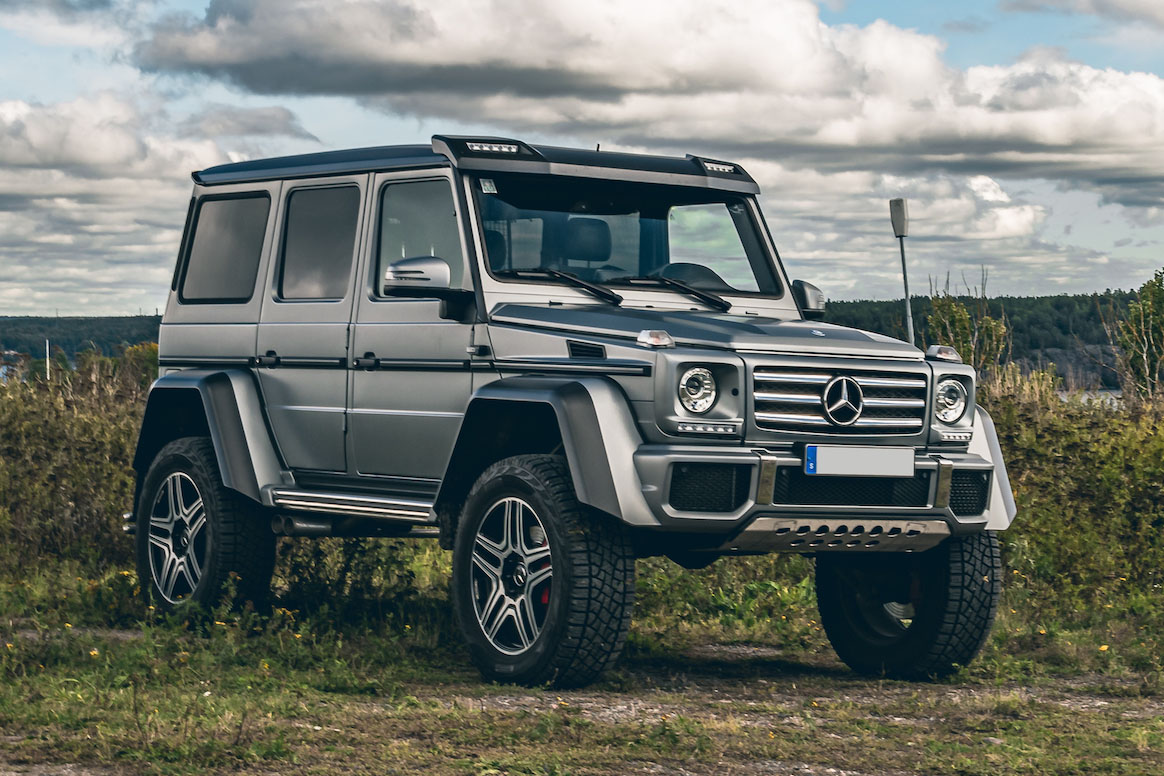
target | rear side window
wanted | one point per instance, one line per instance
(225, 250)
(319, 243)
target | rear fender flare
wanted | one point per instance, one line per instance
(231, 414)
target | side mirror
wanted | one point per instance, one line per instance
(810, 300)
(417, 276)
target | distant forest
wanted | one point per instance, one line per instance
(73, 334)
(1064, 330)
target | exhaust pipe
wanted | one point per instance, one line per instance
(288, 525)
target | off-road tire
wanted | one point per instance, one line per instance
(953, 588)
(592, 588)
(239, 544)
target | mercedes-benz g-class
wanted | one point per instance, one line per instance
(556, 361)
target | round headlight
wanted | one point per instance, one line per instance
(697, 390)
(950, 400)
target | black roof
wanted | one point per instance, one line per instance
(323, 163)
(445, 150)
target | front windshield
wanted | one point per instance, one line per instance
(610, 232)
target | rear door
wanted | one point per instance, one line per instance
(302, 348)
(412, 382)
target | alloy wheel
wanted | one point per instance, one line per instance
(512, 575)
(177, 537)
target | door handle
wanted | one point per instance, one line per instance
(270, 359)
(367, 361)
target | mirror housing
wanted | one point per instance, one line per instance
(417, 276)
(810, 300)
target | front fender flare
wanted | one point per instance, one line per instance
(599, 437)
(984, 443)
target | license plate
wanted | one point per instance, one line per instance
(851, 461)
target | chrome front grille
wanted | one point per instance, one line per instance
(793, 400)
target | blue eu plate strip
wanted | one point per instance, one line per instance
(810, 459)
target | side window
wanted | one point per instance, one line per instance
(419, 218)
(225, 250)
(318, 243)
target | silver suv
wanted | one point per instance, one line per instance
(556, 361)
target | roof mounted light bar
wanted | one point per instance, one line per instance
(714, 167)
(493, 148)
(457, 148)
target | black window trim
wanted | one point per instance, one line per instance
(277, 275)
(261, 194)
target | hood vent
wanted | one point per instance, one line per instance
(587, 350)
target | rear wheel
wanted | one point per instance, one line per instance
(542, 592)
(911, 616)
(193, 534)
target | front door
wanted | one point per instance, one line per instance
(302, 347)
(411, 380)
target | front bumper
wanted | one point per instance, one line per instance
(773, 506)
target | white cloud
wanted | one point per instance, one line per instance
(764, 78)
(91, 204)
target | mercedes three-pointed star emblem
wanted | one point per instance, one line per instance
(843, 401)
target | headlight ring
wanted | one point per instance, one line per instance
(950, 400)
(697, 390)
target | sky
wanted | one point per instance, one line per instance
(1028, 135)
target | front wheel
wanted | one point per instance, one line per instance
(193, 534)
(911, 616)
(543, 592)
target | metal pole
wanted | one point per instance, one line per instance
(908, 308)
(46, 361)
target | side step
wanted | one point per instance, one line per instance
(345, 514)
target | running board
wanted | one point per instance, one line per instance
(397, 509)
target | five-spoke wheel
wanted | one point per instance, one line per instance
(177, 537)
(543, 590)
(194, 534)
(512, 575)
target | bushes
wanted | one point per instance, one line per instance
(1086, 551)
(65, 479)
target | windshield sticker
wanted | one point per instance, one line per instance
(488, 186)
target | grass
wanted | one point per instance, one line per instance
(254, 695)
(733, 688)
(360, 668)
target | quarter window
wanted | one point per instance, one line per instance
(225, 251)
(419, 218)
(319, 242)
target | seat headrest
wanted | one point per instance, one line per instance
(587, 239)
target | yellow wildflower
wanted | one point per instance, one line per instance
(1103, 648)
(93, 652)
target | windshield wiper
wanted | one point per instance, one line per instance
(595, 290)
(707, 297)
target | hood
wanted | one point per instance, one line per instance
(710, 330)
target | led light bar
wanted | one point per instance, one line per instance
(706, 428)
(717, 167)
(957, 436)
(493, 148)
